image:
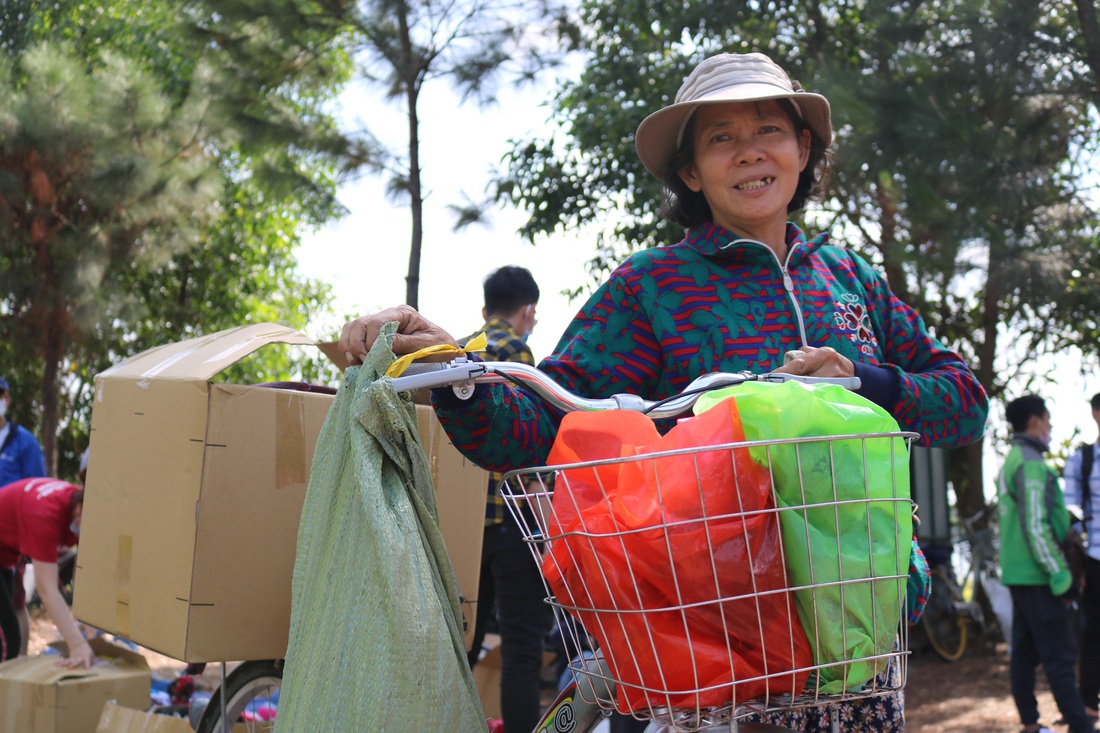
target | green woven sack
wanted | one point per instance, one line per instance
(375, 623)
(861, 548)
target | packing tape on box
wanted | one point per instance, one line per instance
(290, 442)
(122, 584)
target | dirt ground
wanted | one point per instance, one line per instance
(967, 696)
(971, 695)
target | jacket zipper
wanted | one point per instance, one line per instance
(788, 283)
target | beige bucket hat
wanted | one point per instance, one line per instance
(727, 77)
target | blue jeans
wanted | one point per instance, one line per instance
(510, 576)
(1089, 672)
(1042, 633)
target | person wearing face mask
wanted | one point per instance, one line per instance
(20, 457)
(1034, 522)
(38, 516)
(20, 454)
(510, 581)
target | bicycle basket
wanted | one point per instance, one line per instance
(727, 580)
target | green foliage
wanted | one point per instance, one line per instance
(954, 122)
(960, 127)
(157, 164)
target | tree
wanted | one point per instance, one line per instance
(956, 125)
(134, 254)
(469, 43)
(95, 171)
(403, 46)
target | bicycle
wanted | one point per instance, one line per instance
(599, 680)
(961, 601)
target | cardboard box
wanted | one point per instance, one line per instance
(37, 696)
(461, 490)
(119, 719)
(194, 496)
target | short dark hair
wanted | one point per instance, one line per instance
(1022, 409)
(509, 288)
(690, 208)
(1095, 401)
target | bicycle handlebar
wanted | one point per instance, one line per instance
(462, 375)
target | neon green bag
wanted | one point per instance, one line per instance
(847, 552)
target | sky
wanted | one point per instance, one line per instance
(364, 256)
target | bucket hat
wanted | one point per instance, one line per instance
(726, 77)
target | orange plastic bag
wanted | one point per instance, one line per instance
(631, 548)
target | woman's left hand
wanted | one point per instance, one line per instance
(810, 361)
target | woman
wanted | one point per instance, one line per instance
(741, 147)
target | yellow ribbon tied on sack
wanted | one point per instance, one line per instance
(477, 343)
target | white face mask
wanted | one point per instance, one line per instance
(74, 528)
(3, 407)
(1044, 438)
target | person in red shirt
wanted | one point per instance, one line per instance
(38, 516)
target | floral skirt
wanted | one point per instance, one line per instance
(883, 714)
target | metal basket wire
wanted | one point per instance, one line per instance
(677, 604)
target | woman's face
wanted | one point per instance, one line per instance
(748, 157)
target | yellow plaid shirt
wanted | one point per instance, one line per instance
(504, 344)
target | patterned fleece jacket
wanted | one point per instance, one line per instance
(713, 302)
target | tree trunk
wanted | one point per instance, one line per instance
(891, 260)
(53, 354)
(970, 494)
(413, 79)
(1090, 32)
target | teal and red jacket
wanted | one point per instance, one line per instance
(714, 302)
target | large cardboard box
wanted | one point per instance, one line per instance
(38, 696)
(120, 719)
(194, 494)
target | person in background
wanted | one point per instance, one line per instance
(20, 454)
(510, 580)
(740, 149)
(1082, 488)
(20, 457)
(1033, 524)
(37, 516)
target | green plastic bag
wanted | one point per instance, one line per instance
(376, 639)
(847, 549)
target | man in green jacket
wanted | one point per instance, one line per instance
(1034, 523)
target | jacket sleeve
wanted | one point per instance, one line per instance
(1036, 488)
(939, 397)
(33, 460)
(608, 349)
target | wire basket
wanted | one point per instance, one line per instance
(722, 582)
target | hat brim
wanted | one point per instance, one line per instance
(658, 135)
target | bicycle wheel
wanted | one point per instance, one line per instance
(944, 626)
(252, 692)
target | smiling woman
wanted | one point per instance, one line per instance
(740, 149)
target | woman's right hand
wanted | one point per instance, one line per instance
(414, 332)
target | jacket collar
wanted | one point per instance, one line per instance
(1025, 439)
(499, 324)
(712, 240)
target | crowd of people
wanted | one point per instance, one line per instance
(38, 517)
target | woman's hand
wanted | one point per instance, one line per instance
(414, 332)
(810, 361)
